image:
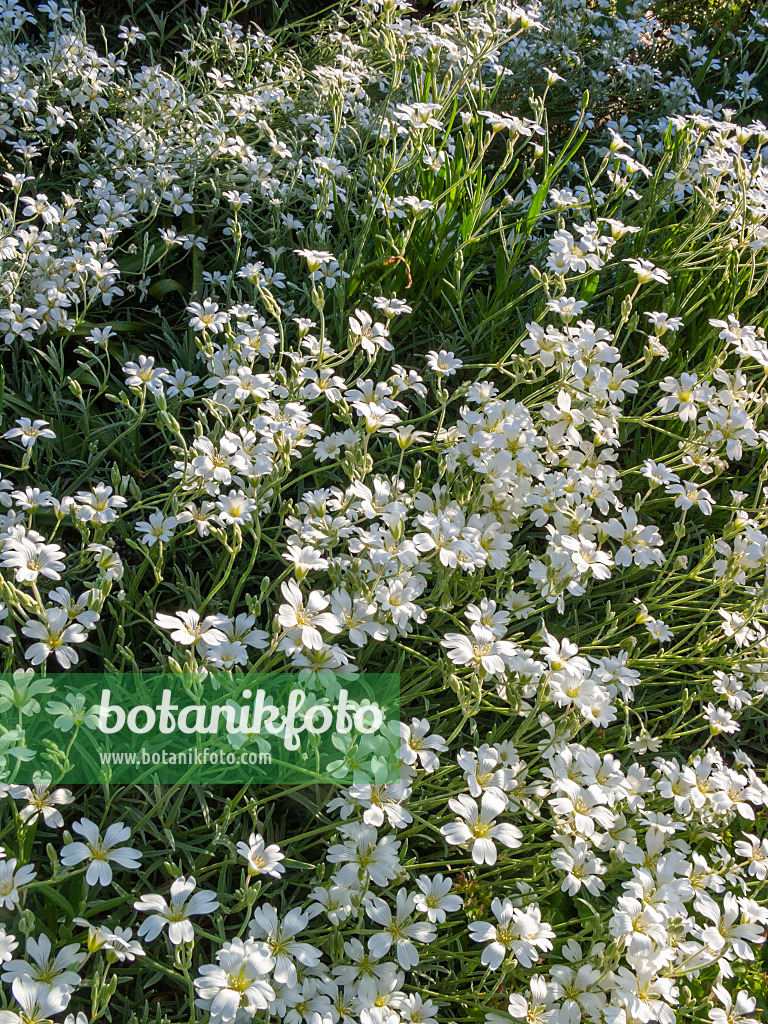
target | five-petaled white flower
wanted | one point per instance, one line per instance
(306, 618)
(237, 980)
(145, 374)
(185, 903)
(477, 826)
(28, 431)
(11, 880)
(443, 363)
(158, 529)
(187, 627)
(435, 898)
(100, 851)
(262, 859)
(38, 1002)
(398, 929)
(53, 636)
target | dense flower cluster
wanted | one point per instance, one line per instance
(487, 410)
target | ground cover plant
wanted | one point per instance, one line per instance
(423, 344)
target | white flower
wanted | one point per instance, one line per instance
(315, 258)
(639, 543)
(482, 650)
(235, 507)
(756, 852)
(46, 969)
(309, 1001)
(417, 747)
(372, 336)
(391, 307)
(117, 940)
(207, 316)
(54, 636)
(727, 929)
(307, 619)
(242, 631)
(304, 559)
(363, 850)
(201, 517)
(158, 529)
(227, 655)
(658, 473)
(262, 859)
(483, 770)
(11, 880)
(435, 898)
(443, 362)
(381, 801)
(179, 200)
(185, 903)
(7, 945)
(182, 383)
(187, 627)
(100, 851)
(131, 35)
(581, 868)
(38, 1002)
(519, 931)
(357, 615)
(238, 980)
(739, 1012)
(281, 942)
(646, 271)
(398, 930)
(658, 629)
(477, 826)
(538, 1007)
(684, 396)
(418, 115)
(31, 560)
(145, 374)
(720, 720)
(567, 307)
(690, 494)
(107, 561)
(29, 431)
(42, 801)
(76, 608)
(101, 336)
(334, 901)
(99, 505)
(663, 322)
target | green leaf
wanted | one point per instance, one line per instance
(161, 288)
(589, 286)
